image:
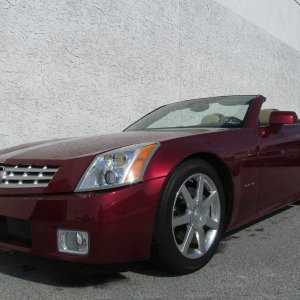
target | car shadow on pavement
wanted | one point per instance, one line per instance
(67, 274)
(55, 273)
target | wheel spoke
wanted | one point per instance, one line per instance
(212, 223)
(187, 197)
(201, 240)
(181, 220)
(184, 247)
(200, 189)
(196, 215)
(211, 199)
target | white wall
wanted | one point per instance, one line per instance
(223, 53)
(70, 68)
(280, 18)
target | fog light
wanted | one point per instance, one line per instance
(73, 241)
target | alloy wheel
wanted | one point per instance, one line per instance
(196, 216)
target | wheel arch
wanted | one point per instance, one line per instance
(161, 244)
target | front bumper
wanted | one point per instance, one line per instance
(119, 222)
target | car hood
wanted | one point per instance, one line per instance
(72, 156)
(63, 149)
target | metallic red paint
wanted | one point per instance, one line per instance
(263, 167)
(119, 222)
(283, 117)
(74, 155)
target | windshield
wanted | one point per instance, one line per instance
(219, 112)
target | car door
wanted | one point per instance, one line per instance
(279, 156)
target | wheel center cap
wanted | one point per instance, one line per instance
(198, 217)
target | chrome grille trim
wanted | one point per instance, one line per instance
(26, 176)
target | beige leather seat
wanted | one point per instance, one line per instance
(264, 116)
(210, 119)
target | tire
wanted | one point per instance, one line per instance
(190, 218)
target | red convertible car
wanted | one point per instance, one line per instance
(168, 186)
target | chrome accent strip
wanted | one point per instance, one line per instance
(16, 185)
(30, 169)
(26, 178)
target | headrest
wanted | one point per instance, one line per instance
(264, 116)
(210, 119)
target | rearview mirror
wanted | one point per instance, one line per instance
(283, 117)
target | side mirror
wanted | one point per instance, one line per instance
(283, 117)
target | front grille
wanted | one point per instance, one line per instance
(26, 176)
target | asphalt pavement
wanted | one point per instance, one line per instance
(260, 261)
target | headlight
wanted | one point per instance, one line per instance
(117, 168)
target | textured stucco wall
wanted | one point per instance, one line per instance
(224, 54)
(70, 68)
(281, 18)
